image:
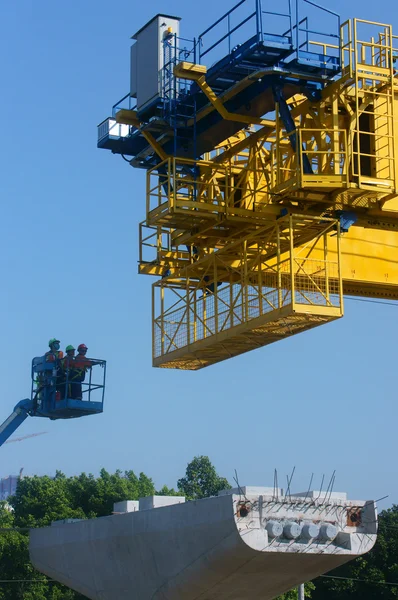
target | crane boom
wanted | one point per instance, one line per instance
(272, 174)
(16, 418)
(25, 437)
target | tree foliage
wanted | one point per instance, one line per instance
(380, 565)
(41, 500)
(292, 594)
(15, 565)
(201, 480)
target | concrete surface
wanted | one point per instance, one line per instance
(157, 501)
(126, 506)
(231, 547)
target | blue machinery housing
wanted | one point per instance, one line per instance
(51, 396)
(259, 57)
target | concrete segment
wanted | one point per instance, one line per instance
(159, 501)
(126, 506)
(231, 547)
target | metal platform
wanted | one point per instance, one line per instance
(284, 120)
(261, 332)
(248, 295)
(250, 60)
(69, 408)
(57, 395)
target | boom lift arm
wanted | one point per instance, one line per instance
(17, 417)
(56, 396)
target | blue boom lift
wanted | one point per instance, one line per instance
(51, 396)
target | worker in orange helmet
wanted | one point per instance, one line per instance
(68, 376)
(81, 355)
(82, 365)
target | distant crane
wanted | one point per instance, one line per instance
(20, 439)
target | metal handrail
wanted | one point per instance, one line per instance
(230, 31)
(314, 32)
(303, 20)
(87, 387)
(257, 13)
(323, 8)
(118, 104)
(222, 18)
(334, 35)
(50, 380)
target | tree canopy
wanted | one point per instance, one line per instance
(370, 575)
(201, 480)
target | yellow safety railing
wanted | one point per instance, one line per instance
(327, 49)
(360, 50)
(323, 150)
(180, 189)
(237, 289)
(175, 185)
(158, 252)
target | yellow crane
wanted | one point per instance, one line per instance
(271, 175)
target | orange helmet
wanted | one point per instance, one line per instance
(82, 347)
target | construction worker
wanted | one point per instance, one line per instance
(82, 365)
(54, 353)
(81, 358)
(68, 374)
(69, 359)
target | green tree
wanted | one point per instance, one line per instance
(96, 496)
(292, 594)
(166, 491)
(379, 565)
(41, 500)
(201, 480)
(22, 581)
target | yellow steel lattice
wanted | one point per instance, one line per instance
(235, 276)
(246, 303)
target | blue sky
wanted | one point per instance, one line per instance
(319, 401)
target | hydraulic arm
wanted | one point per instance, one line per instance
(55, 399)
(17, 417)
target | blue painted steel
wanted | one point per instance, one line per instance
(347, 219)
(125, 102)
(54, 390)
(246, 47)
(254, 15)
(312, 61)
(290, 126)
(17, 417)
(50, 398)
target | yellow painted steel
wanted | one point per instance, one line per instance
(130, 117)
(194, 72)
(235, 273)
(248, 295)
